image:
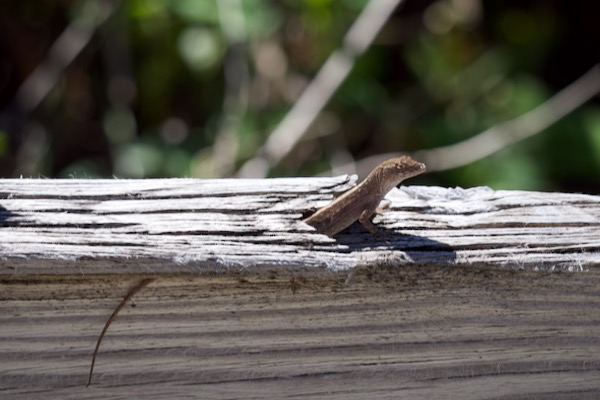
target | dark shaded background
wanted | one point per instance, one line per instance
(194, 88)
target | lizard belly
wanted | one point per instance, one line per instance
(339, 215)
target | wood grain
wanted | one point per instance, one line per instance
(194, 225)
(470, 293)
(409, 332)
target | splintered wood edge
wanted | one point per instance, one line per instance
(192, 226)
(163, 226)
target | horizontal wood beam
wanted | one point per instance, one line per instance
(454, 300)
(409, 332)
(168, 226)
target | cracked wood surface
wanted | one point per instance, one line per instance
(470, 293)
(192, 225)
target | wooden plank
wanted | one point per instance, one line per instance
(454, 300)
(186, 225)
(165, 188)
(416, 332)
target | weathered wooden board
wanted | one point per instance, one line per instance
(456, 298)
(192, 225)
(418, 332)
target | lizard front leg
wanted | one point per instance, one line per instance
(364, 219)
(384, 205)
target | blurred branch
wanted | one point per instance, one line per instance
(235, 102)
(504, 134)
(63, 51)
(329, 78)
(512, 131)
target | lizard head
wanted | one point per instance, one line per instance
(395, 170)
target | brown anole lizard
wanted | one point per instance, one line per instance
(358, 203)
(362, 201)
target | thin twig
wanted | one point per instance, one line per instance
(131, 293)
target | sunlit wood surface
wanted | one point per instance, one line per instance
(466, 294)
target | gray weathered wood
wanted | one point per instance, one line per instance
(418, 332)
(454, 300)
(190, 225)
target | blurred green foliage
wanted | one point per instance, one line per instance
(193, 88)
